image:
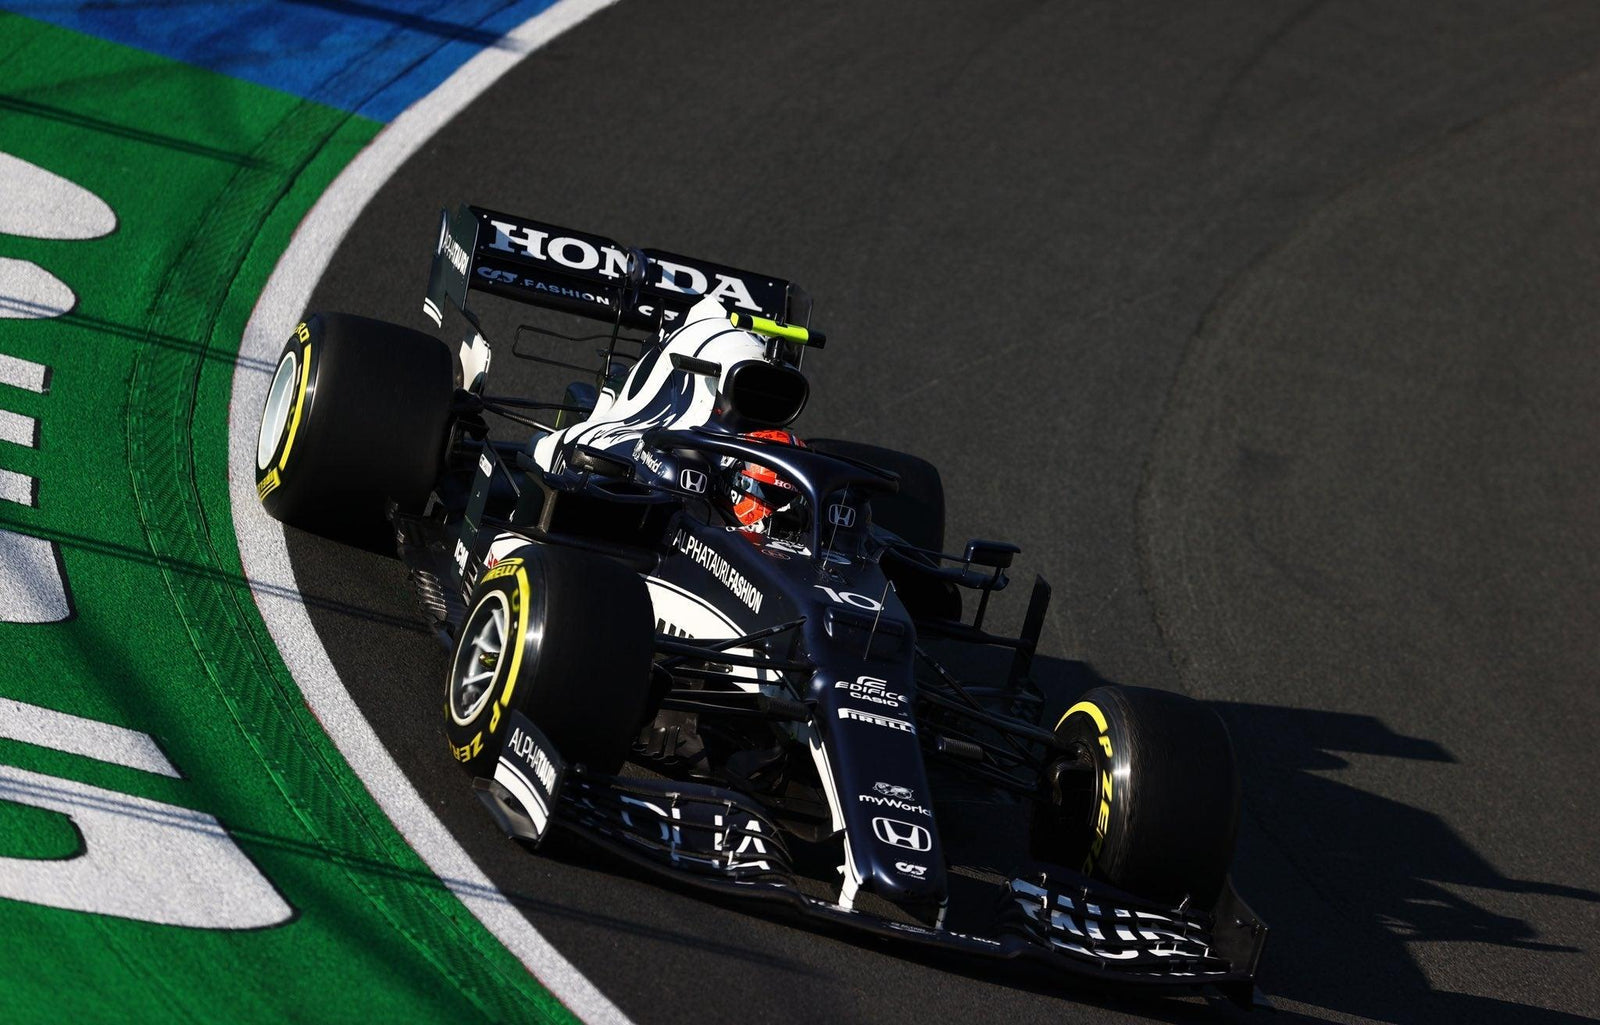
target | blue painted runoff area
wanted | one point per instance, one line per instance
(370, 58)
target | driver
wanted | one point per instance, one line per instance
(758, 495)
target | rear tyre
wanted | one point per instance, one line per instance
(566, 638)
(1146, 796)
(358, 412)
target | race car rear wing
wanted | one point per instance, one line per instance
(559, 268)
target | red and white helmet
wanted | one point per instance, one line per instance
(758, 492)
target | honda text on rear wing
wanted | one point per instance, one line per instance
(592, 276)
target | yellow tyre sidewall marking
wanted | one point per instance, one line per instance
(300, 395)
(1102, 819)
(519, 603)
(519, 608)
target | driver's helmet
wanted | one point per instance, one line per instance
(758, 493)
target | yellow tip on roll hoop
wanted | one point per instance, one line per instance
(765, 326)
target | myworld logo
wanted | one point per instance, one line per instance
(896, 803)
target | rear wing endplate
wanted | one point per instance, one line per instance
(593, 276)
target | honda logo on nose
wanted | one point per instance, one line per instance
(692, 481)
(902, 834)
(841, 516)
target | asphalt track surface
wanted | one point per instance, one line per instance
(1269, 331)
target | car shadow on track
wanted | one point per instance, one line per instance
(20, 107)
(142, 335)
(410, 22)
(364, 612)
(1347, 878)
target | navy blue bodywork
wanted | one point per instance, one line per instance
(801, 642)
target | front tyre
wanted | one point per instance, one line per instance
(565, 637)
(358, 412)
(1145, 797)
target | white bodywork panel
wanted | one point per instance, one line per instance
(707, 335)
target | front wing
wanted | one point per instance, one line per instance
(719, 840)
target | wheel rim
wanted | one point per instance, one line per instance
(479, 657)
(1074, 777)
(275, 415)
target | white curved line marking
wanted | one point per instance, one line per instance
(261, 546)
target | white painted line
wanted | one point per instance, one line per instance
(24, 373)
(76, 735)
(261, 546)
(19, 429)
(31, 590)
(18, 487)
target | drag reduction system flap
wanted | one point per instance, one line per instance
(560, 268)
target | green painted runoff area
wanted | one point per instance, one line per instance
(208, 177)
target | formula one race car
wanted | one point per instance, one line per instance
(759, 627)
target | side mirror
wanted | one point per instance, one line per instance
(997, 554)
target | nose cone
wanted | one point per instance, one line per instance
(909, 877)
(876, 762)
(908, 872)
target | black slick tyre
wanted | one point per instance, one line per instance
(566, 638)
(357, 413)
(1146, 796)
